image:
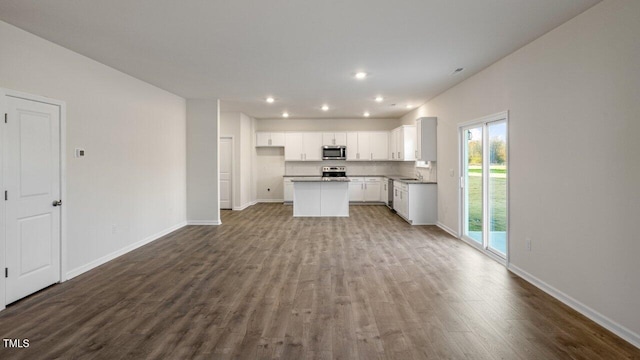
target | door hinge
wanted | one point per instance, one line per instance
(6, 272)
(5, 118)
(6, 196)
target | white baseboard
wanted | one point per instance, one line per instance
(447, 229)
(204, 222)
(242, 207)
(95, 263)
(269, 200)
(602, 320)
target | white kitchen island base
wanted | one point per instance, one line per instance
(313, 198)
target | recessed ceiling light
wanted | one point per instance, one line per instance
(409, 106)
(325, 107)
(285, 114)
(270, 100)
(361, 75)
(366, 114)
(379, 98)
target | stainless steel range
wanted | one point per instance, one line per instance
(334, 173)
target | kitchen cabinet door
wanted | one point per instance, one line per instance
(356, 190)
(396, 198)
(277, 139)
(364, 146)
(334, 139)
(393, 144)
(312, 146)
(352, 146)
(341, 138)
(372, 189)
(408, 143)
(262, 139)
(328, 139)
(268, 139)
(379, 145)
(293, 150)
(404, 204)
(384, 191)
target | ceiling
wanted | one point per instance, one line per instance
(304, 53)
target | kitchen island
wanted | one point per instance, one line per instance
(315, 197)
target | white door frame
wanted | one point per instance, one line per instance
(483, 121)
(233, 159)
(4, 93)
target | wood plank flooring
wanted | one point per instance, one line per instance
(267, 286)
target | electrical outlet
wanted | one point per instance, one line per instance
(528, 243)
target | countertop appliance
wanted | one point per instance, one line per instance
(333, 173)
(334, 152)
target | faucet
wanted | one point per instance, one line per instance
(419, 176)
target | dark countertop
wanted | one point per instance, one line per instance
(317, 179)
(399, 178)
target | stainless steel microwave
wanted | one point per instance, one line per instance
(334, 152)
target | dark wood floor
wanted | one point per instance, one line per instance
(265, 285)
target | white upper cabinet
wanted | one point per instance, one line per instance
(352, 146)
(334, 138)
(303, 147)
(379, 145)
(403, 143)
(367, 145)
(426, 146)
(312, 146)
(269, 139)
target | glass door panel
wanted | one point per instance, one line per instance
(497, 187)
(472, 177)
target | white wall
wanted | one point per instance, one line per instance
(238, 125)
(133, 176)
(203, 161)
(572, 97)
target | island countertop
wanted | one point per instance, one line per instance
(320, 179)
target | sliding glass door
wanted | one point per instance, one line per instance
(484, 184)
(497, 187)
(472, 178)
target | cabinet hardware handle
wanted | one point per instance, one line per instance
(399, 157)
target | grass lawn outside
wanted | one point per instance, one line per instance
(497, 193)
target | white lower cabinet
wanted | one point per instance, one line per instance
(372, 189)
(384, 191)
(364, 189)
(288, 190)
(416, 203)
(356, 189)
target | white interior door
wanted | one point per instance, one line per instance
(226, 165)
(32, 184)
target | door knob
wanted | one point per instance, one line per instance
(57, 203)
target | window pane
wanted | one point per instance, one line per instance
(497, 196)
(473, 183)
